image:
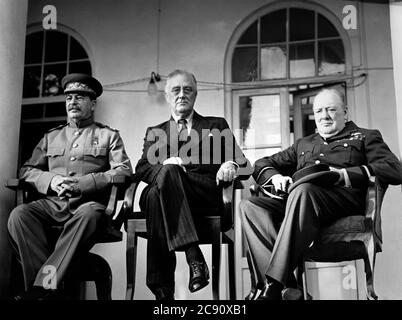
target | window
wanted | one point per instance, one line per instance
(288, 44)
(49, 56)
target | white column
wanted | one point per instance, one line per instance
(395, 9)
(13, 20)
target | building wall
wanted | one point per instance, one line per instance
(194, 35)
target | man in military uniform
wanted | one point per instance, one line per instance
(73, 166)
(277, 231)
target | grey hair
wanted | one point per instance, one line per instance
(181, 72)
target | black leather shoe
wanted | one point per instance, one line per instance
(292, 294)
(164, 294)
(199, 276)
(272, 291)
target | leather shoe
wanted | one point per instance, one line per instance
(292, 294)
(199, 276)
(164, 294)
(272, 291)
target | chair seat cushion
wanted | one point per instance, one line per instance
(346, 225)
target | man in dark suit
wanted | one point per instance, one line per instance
(72, 167)
(183, 175)
(277, 231)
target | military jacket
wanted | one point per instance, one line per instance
(362, 152)
(91, 152)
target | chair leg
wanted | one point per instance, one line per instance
(232, 277)
(131, 263)
(216, 259)
(370, 246)
(253, 283)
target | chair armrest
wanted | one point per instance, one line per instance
(374, 199)
(228, 197)
(21, 188)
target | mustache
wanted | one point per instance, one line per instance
(73, 108)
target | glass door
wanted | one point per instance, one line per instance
(262, 127)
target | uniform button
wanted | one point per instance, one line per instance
(321, 154)
(75, 145)
(325, 142)
(317, 161)
(73, 158)
(302, 153)
(77, 133)
(345, 145)
(71, 173)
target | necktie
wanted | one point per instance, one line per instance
(182, 129)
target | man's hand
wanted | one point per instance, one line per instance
(227, 172)
(175, 160)
(65, 187)
(341, 180)
(281, 182)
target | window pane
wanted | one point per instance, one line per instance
(52, 79)
(33, 47)
(273, 27)
(80, 67)
(260, 120)
(55, 110)
(244, 64)
(32, 111)
(250, 35)
(31, 82)
(301, 24)
(331, 57)
(56, 46)
(302, 62)
(76, 50)
(273, 62)
(325, 28)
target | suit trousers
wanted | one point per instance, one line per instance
(46, 259)
(169, 205)
(278, 233)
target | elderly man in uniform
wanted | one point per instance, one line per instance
(278, 231)
(73, 166)
(181, 181)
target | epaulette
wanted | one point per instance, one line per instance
(58, 127)
(101, 125)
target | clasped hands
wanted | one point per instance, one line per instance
(65, 187)
(226, 173)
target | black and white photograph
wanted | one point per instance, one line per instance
(214, 151)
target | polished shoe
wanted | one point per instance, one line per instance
(292, 294)
(164, 294)
(272, 291)
(199, 276)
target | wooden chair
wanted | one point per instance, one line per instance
(215, 229)
(92, 267)
(353, 237)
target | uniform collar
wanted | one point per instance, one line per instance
(82, 123)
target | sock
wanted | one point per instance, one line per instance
(194, 253)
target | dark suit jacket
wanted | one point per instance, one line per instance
(211, 144)
(352, 148)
